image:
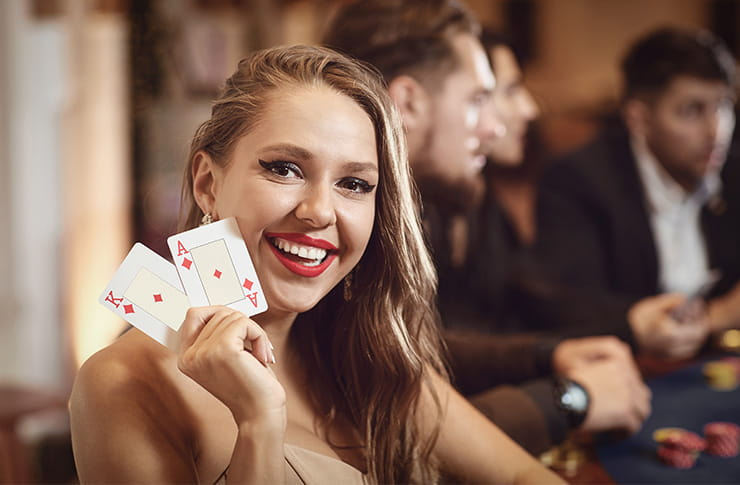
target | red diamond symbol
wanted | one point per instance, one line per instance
(247, 284)
(158, 297)
(187, 263)
(217, 274)
(128, 308)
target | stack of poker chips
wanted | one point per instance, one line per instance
(720, 375)
(722, 439)
(723, 374)
(680, 448)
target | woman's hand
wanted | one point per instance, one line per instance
(229, 355)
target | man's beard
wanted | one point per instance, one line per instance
(458, 196)
(461, 197)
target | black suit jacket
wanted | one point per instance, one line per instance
(505, 374)
(595, 242)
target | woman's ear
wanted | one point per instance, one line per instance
(204, 182)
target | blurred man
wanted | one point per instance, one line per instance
(512, 101)
(638, 219)
(440, 79)
(482, 294)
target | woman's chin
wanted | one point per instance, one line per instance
(297, 304)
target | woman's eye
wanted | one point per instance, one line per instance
(282, 168)
(356, 185)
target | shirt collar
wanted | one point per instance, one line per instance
(662, 192)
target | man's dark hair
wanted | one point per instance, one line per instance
(658, 58)
(491, 38)
(402, 36)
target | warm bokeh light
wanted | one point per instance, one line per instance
(98, 177)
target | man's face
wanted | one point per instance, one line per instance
(515, 107)
(450, 161)
(688, 127)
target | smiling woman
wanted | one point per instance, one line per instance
(335, 383)
(303, 178)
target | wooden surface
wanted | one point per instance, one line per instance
(16, 403)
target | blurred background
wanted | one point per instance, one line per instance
(99, 99)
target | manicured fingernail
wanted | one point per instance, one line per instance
(272, 357)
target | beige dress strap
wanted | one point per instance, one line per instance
(311, 468)
(306, 467)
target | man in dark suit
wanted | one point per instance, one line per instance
(645, 215)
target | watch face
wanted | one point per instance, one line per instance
(575, 398)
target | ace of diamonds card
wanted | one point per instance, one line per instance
(215, 268)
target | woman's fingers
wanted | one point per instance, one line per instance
(242, 332)
(194, 324)
(206, 326)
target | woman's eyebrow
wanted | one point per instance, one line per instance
(360, 167)
(288, 149)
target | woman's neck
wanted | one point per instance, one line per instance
(277, 325)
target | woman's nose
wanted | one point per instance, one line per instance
(317, 207)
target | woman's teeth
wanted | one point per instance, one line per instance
(317, 255)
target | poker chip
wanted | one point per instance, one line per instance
(733, 361)
(722, 438)
(686, 441)
(678, 447)
(721, 375)
(729, 340)
(676, 458)
(661, 434)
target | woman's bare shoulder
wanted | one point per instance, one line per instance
(128, 367)
(129, 396)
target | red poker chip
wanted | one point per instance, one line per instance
(723, 447)
(735, 361)
(721, 429)
(676, 458)
(722, 438)
(685, 441)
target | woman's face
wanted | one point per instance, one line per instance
(301, 185)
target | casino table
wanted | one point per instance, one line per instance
(681, 398)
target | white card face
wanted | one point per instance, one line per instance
(215, 267)
(146, 292)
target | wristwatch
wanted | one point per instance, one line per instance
(572, 400)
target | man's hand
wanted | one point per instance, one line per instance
(724, 311)
(619, 399)
(579, 352)
(659, 333)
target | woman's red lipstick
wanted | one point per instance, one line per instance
(304, 240)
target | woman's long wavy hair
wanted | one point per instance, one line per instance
(372, 355)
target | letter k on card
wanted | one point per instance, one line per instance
(147, 293)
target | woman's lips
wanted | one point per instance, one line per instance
(303, 239)
(296, 251)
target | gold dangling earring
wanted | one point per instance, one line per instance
(207, 219)
(347, 293)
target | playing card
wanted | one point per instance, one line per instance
(146, 292)
(693, 305)
(215, 267)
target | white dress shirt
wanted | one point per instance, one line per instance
(675, 218)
